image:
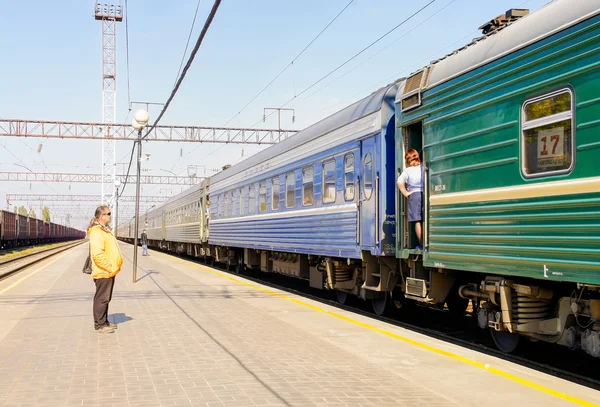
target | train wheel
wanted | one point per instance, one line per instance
(380, 303)
(342, 296)
(240, 268)
(505, 341)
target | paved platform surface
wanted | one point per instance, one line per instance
(189, 335)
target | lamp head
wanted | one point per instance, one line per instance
(141, 116)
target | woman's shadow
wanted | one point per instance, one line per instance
(119, 318)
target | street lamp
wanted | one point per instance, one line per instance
(140, 120)
(117, 186)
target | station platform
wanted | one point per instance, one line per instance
(192, 335)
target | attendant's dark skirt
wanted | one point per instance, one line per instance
(415, 207)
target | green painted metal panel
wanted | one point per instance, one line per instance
(472, 141)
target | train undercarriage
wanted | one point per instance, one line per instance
(511, 309)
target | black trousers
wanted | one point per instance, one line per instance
(104, 289)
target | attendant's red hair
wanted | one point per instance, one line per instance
(412, 158)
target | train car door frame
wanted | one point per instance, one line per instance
(368, 194)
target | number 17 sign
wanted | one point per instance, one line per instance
(551, 147)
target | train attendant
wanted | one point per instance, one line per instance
(412, 177)
(106, 263)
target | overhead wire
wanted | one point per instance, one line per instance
(346, 62)
(413, 66)
(290, 64)
(359, 53)
(207, 24)
(128, 170)
(381, 50)
(188, 41)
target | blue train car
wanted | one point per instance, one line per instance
(327, 192)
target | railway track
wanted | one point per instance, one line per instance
(574, 366)
(17, 264)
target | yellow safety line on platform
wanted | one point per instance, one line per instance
(16, 283)
(430, 348)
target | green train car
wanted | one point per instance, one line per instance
(509, 133)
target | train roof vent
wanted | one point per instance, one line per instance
(411, 95)
(503, 20)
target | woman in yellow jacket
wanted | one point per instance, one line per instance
(106, 263)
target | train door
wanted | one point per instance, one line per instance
(412, 138)
(368, 194)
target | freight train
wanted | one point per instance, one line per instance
(507, 128)
(17, 231)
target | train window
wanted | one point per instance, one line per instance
(349, 177)
(220, 207)
(547, 139)
(241, 201)
(251, 199)
(368, 175)
(262, 196)
(308, 180)
(290, 190)
(329, 181)
(227, 204)
(275, 193)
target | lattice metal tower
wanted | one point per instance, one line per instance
(109, 15)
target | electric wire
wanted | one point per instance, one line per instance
(290, 64)
(188, 41)
(207, 24)
(359, 52)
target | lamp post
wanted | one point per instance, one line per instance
(117, 186)
(140, 120)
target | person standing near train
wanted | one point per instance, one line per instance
(144, 240)
(106, 259)
(412, 177)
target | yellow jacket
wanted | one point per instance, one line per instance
(104, 252)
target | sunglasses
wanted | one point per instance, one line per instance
(107, 213)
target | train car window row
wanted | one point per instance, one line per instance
(258, 191)
(547, 139)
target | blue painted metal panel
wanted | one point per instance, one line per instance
(327, 232)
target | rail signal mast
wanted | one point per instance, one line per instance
(109, 15)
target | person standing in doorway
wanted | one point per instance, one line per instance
(144, 240)
(106, 264)
(412, 177)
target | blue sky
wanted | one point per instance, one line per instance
(51, 70)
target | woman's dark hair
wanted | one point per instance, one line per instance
(99, 211)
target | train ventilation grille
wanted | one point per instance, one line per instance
(416, 287)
